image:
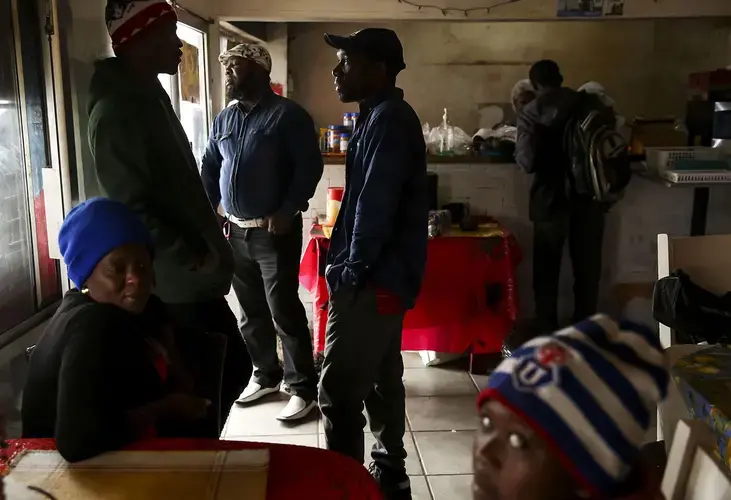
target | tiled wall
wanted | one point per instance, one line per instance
(501, 191)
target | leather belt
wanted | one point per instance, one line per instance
(246, 223)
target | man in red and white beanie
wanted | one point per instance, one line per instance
(143, 158)
(127, 18)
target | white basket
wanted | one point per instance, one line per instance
(698, 177)
(661, 160)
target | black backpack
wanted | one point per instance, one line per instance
(599, 166)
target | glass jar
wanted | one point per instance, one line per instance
(344, 140)
(333, 139)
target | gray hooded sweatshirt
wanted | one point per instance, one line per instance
(142, 158)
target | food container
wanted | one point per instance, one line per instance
(333, 138)
(334, 199)
(440, 222)
(323, 140)
(344, 140)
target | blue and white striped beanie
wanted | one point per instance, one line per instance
(589, 391)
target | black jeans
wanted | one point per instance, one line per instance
(216, 317)
(363, 365)
(266, 282)
(583, 226)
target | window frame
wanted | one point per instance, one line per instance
(41, 311)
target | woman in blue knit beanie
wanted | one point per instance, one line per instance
(108, 252)
(105, 372)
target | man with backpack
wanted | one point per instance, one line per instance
(568, 141)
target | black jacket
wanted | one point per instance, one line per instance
(539, 151)
(91, 366)
(380, 236)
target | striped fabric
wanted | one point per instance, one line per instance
(589, 391)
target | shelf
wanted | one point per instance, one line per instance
(433, 159)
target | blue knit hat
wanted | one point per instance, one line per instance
(589, 391)
(94, 228)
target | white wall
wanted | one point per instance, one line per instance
(277, 40)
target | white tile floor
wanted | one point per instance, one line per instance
(441, 418)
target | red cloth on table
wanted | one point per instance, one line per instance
(452, 313)
(294, 471)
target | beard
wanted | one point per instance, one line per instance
(234, 92)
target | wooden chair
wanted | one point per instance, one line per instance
(692, 472)
(707, 260)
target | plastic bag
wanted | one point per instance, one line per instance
(692, 311)
(448, 140)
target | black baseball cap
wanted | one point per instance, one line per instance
(379, 44)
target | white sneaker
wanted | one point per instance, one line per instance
(254, 392)
(296, 409)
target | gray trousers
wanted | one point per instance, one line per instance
(363, 365)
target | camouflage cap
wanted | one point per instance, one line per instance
(251, 51)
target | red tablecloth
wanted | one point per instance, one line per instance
(294, 471)
(468, 300)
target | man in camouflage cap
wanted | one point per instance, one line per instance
(262, 164)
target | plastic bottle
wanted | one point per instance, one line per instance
(347, 120)
(446, 136)
(323, 140)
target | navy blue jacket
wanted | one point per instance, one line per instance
(380, 236)
(266, 160)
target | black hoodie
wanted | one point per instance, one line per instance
(142, 158)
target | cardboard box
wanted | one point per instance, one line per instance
(704, 383)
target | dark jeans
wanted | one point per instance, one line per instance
(583, 226)
(216, 317)
(266, 282)
(363, 365)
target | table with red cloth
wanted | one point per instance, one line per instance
(294, 471)
(468, 300)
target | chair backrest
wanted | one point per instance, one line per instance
(692, 472)
(706, 259)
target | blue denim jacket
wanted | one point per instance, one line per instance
(380, 236)
(259, 162)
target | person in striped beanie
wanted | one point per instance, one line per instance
(564, 417)
(142, 157)
(133, 20)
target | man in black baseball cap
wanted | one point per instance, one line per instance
(371, 47)
(376, 259)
